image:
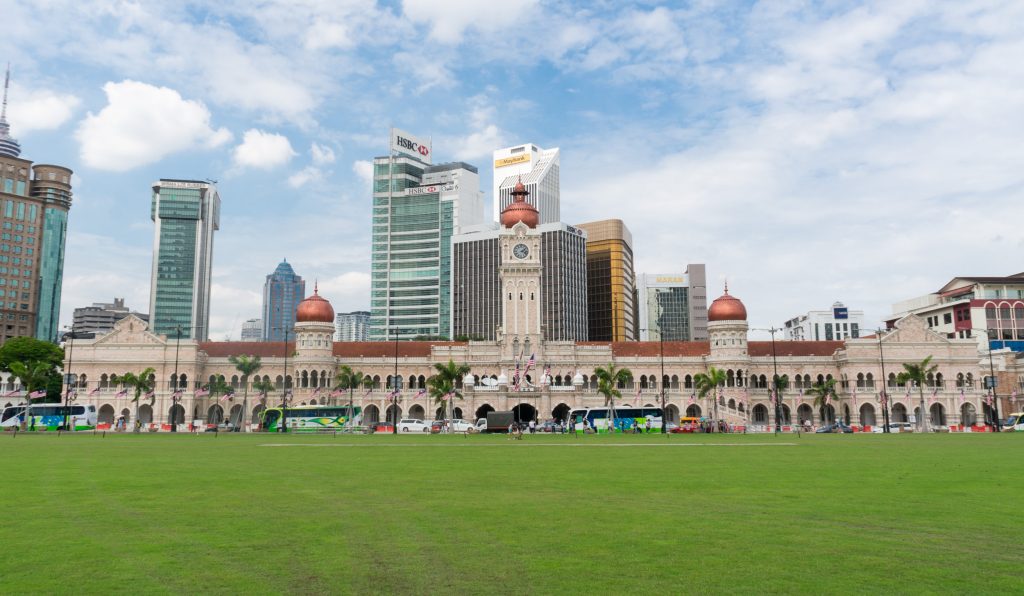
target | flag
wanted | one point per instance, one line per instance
(150, 395)
(1013, 396)
(94, 392)
(963, 398)
(337, 393)
(771, 397)
(37, 394)
(637, 397)
(316, 392)
(121, 393)
(988, 398)
(202, 392)
(531, 362)
(420, 394)
(693, 398)
(227, 395)
(800, 397)
(14, 393)
(368, 392)
(176, 396)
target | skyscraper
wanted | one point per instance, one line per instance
(610, 280)
(671, 306)
(186, 213)
(351, 326)
(252, 330)
(538, 169)
(282, 293)
(34, 221)
(417, 208)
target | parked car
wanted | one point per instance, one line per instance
(551, 426)
(837, 427)
(413, 425)
(457, 425)
(895, 427)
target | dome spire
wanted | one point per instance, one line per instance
(9, 146)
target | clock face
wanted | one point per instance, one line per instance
(521, 251)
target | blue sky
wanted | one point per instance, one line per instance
(808, 152)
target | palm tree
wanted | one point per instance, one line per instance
(218, 387)
(823, 393)
(918, 373)
(709, 382)
(247, 365)
(349, 380)
(608, 380)
(142, 383)
(33, 376)
(262, 387)
(443, 383)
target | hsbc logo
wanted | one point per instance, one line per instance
(412, 146)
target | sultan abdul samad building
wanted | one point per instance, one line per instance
(308, 365)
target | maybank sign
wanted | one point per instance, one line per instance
(511, 161)
(403, 142)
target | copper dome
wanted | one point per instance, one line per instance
(314, 310)
(727, 308)
(519, 210)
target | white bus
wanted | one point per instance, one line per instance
(1014, 422)
(49, 416)
(624, 416)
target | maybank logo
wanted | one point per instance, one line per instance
(511, 161)
(669, 280)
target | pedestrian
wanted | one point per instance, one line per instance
(533, 426)
(647, 426)
(511, 431)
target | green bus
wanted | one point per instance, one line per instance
(311, 418)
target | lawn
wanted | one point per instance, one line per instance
(481, 514)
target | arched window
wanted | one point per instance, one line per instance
(104, 381)
(739, 378)
(821, 379)
(938, 380)
(234, 381)
(688, 382)
(869, 381)
(860, 380)
(764, 382)
(183, 381)
(730, 378)
(959, 379)
(892, 380)
(675, 382)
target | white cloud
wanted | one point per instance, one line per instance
(449, 19)
(38, 109)
(364, 170)
(141, 124)
(304, 176)
(322, 154)
(263, 150)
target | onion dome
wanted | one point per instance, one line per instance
(519, 210)
(727, 308)
(468, 380)
(314, 309)
(503, 378)
(577, 379)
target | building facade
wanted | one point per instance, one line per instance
(672, 307)
(989, 309)
(101, 316)
(839, 322)
(282, 292)
(34, 205)
(417, 208)
(610, 278)
(185, 213)
(252, 330)
(352, 326)
(308, 364)
(538, 170)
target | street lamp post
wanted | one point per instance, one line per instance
(992, 375)
(394, 391)
(69, 376)
(284, 386)
(174, 390)
(661, 380)
(776, 381)
(885, 396)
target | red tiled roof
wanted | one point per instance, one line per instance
(386, 349)
(794, 348)
(263, 349)
(673, 349)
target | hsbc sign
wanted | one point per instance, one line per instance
(403, 142)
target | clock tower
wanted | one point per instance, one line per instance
(519, 273)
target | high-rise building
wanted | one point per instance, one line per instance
(34, 220)
(417, 208)
(538, 170)
(672, 306)
(837, 323)
(101, 316)
(282, 293)
(186, 213)
(610, 295)
(352, 326)
(252, 330)
(476, 288)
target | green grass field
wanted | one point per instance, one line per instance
(481, 514)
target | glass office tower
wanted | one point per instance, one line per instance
(186, 213)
